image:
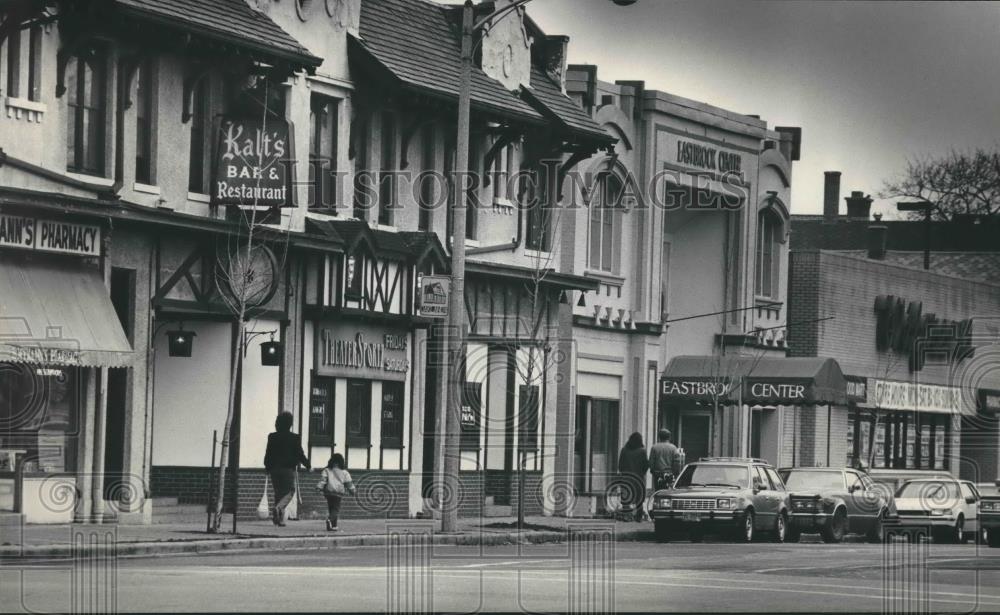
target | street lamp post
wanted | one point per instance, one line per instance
(456, 302)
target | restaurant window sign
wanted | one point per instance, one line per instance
(900, 395)
(253, 168)
(362, 351)
(57, 237)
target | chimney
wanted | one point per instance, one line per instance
(581, 80)
(553, 56)
(859, 206)
(831, 196)
(791, 141)
(877, 235)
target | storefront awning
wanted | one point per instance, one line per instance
(754, 380)
(58, 314)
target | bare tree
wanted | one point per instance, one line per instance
(247, 272)
(957, 183)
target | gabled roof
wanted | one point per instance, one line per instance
(546, 96)
(415, 41)
(231, 21)
(425, 244)
(353, 233)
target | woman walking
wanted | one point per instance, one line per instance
(633, 465)
(284, 455)
(335, 484)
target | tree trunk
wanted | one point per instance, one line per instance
(227, 430)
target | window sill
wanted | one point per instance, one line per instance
(605, 276)
(31, 110)
(537, 254)
(767, 302)
(146, 188)
(386, 227)
(95, 180)
(504, 206)
(198, 197)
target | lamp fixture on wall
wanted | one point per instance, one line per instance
(270, 351)
(180, 342)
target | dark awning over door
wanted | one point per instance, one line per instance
(757, 381)
(58, 314)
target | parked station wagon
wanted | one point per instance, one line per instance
(835, 502)
(742, 496)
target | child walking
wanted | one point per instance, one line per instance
(335, 484)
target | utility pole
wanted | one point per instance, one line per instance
(456, 301)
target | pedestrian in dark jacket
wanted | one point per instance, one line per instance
(284, 455)
(664, 461)
(633, 465)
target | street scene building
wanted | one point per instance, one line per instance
(237, 297)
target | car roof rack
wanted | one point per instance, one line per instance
(740, 459)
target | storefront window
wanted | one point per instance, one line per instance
(898, 440)
(359, 413)
(528, 417)
(321, 410)
(472, 405)
(392, 414)
(38, 416)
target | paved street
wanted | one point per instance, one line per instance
(646, 576)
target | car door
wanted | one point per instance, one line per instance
(765, 499)
(779, 489)
(970, 508)
(860, 509)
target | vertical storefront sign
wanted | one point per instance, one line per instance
(471, 418)
(253, 168)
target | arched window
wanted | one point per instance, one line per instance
(768, 254)
(605, 225)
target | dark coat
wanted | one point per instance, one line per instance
(633, 461)
(284, 450)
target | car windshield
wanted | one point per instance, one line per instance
(930, 489)
(801, 480)
(713, 476)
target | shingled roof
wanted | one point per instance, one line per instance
(549, 98)
(416, 42)
(231, 21)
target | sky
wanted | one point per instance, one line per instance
(871, 84)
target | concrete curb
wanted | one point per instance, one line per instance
(124, 549)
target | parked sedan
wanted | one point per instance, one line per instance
(835, 502)
(945, 506)
(989, 510)
(738, 495)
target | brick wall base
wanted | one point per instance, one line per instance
(381, 493)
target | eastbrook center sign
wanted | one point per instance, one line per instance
(723, 390)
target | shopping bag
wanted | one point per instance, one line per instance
(263, 510)
(292, 510)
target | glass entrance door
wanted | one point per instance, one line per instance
(596, 443)
(694, 436)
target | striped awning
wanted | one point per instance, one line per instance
(58, 313)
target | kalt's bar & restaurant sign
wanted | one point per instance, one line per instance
(253, 163)
(41, 235)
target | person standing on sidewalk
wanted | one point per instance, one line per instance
(284, 455)
(664, 460)
(335, 484)
(633, 465)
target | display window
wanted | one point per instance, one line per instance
(39, 410)
(911, 440)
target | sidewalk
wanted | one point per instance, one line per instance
(191, 537)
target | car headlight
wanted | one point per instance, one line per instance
(990, 506)
(726, 503)
(939, 512)
(664, 503)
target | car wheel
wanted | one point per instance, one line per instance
(876, 533)
(958, 535)
(662, 531)
(993, 537)
(792, 533)
(746, 531)
(780, 528)
(981, 537)
(835, 530)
